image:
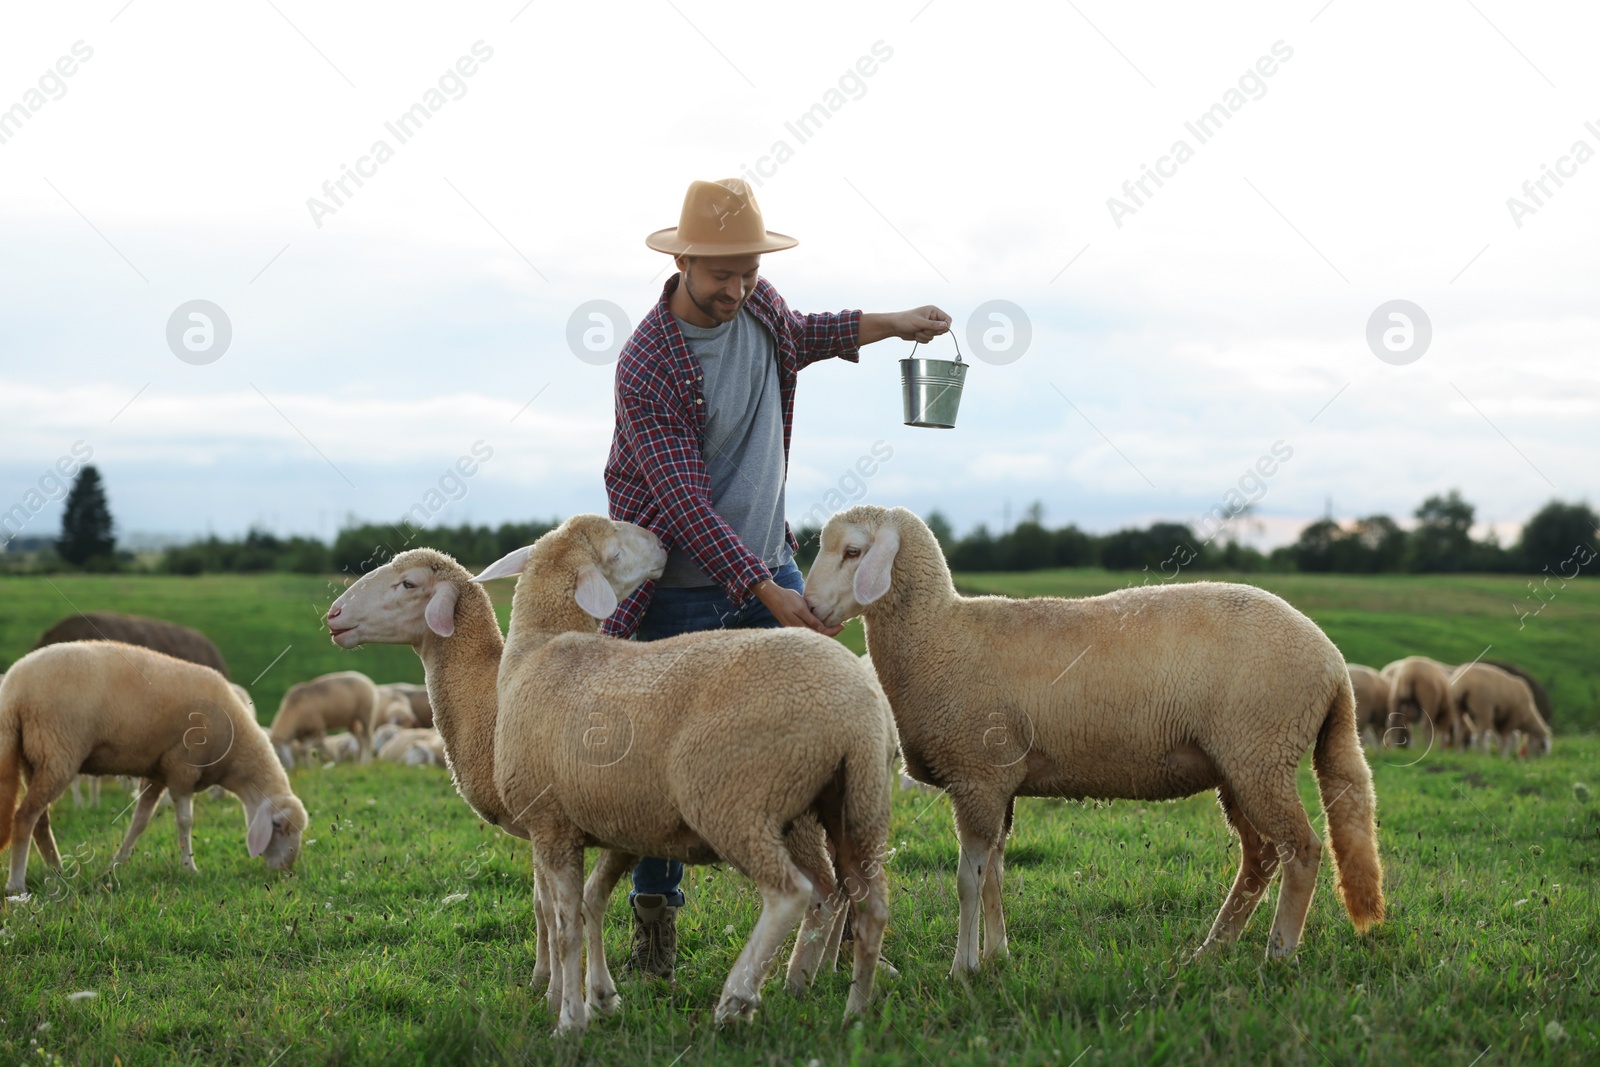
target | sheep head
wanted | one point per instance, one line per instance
(401, 602)
(871, 555)
(275, 828)
(595, 560)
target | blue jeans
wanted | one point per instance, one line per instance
(682, 611)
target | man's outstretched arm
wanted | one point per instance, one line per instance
(921, 324)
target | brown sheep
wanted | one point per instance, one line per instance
(344, 700)
(1497, 700)
(1372, 706)
(177, 641)
(421, 709)
(1419, 694)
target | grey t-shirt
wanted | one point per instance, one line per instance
(743, 445)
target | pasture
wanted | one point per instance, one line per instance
(405, 933)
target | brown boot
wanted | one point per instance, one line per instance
(655, 936)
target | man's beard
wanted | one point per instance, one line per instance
(709, 308)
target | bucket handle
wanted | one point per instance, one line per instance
(952, 334)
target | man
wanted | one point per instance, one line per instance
(704, 403)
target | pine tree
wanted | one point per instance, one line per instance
(86, 524)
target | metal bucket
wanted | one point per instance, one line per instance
(930, 389)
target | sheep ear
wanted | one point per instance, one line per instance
(440, 614)
(507, 565)
(260, 832)
(872, 576)
(594, 593)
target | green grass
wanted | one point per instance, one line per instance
(1488, 957)
(356, 958)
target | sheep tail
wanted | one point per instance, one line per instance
(10, 773)
(1345, 783)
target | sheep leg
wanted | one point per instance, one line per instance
(610, 868)
(1506, 737)
(994, 915)
(872, 918)
(1277, 815)
(822, 928)
(781, 911)
(1256, 867)
(183, 810)
(543, 950)
(46, 841)
(149, 794)
(563, 869)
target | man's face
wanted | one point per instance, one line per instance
(719, 285)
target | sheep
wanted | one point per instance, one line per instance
(1419, 693)
(1149, 692)
(1497, 700)
(421, 710)
(342, 700)
(107, 707)
(414, 747)
(394, 707)
(1541, 696)
(177, 641)
(702, 747)
(424, 598)
(1372, 705)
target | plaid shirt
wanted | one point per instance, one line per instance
(656, 475)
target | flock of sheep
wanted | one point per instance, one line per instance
(771, 750)
(1465, 706)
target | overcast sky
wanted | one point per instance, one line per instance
(1355, 154)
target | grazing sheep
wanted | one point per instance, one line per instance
(1372, 706)
(1499, 701)
(414, 747)
(703, 747)
(1541, 696)
(177, 641)
(105, 707)
(1419, 695)
(344, 700)
(394, 707)
(1150, 693)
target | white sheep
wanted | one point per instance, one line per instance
(702, 747)
(105, 707)
(425, 599)
(344, 700)
(1150, 692)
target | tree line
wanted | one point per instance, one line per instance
(1559, 539)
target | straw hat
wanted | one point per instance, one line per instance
(719, 219)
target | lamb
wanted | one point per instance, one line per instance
(1419, 693)
(344, 700)
(1498, 700)
(106, 707)
(178, 641)
(702, 747)
(1372, 705)
(1150, 692)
